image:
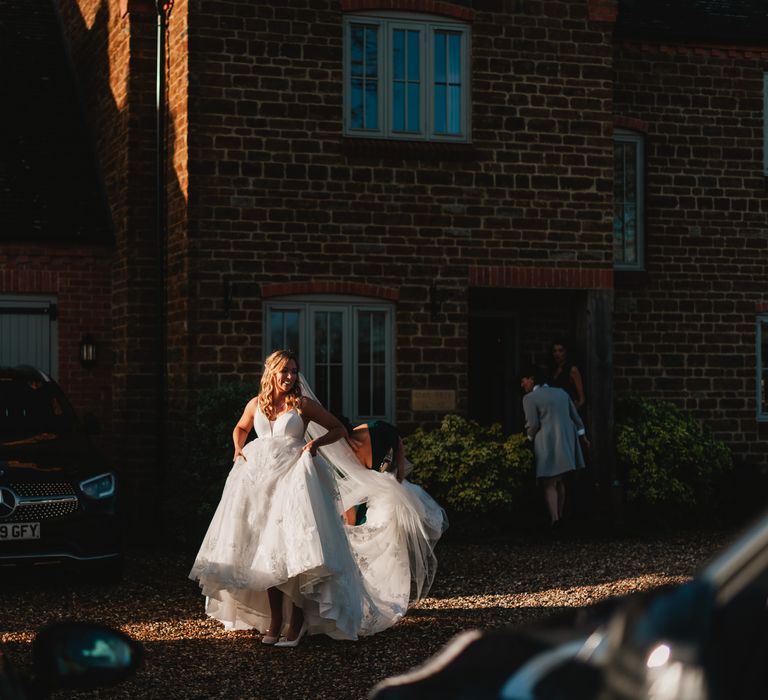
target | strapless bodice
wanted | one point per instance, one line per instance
(288, 424)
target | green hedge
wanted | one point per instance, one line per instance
(670, 460)
(672, 464)
(469, 468)
(199, 467)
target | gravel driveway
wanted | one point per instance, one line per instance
(478, 585)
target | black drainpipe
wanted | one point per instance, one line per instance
(163, 8)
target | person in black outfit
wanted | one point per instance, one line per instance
(565, 375)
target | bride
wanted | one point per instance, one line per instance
(277, 548)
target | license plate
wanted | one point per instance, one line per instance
(20, 531)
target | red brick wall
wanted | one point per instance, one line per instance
(687, 331)
(79, 278)
(278, 195)
(114, 56)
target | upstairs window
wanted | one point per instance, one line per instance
(406, 78)
(628, 201)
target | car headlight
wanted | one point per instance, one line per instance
(102, 486)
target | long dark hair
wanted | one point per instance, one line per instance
(567, 365)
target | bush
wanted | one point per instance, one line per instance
(468, 468)
(201, 465)
(671, 462)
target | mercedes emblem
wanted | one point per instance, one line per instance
(7, 502)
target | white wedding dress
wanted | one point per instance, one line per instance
(279, 523)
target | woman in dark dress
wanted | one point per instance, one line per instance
(565, 375)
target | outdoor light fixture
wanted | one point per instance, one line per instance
(87, 351)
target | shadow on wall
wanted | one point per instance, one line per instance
(115, 61)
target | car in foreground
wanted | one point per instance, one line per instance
(71, 656)
(706, 639)
(58, 496)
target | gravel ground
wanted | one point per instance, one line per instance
(477, 586)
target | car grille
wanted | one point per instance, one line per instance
(42, 489)
(45, 501)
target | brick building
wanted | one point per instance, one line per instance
(419, 195)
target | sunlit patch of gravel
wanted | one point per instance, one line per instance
(486, 585)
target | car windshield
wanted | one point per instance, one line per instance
(31, 409)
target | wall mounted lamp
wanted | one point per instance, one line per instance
(87, 351)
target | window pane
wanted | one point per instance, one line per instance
(356, 104)
(328, 358)
(398, 54)
(454, 58)
(371, 105)
(406, 109)
(284, 330)
(454, 109)
(630, 233)
(363, 338)
(440, 108)
(276, 331)
(364, 390)
(364, 71)
(378, 323)
(336, 399)
(625, 212)
(440, 71)
(413, 107)
(372, 52)
(763, 364)
(379, 403)
(413, 56)
(356, 49)
(336, 336)
(398, 107)
(291, 340)
(371, 370)
(447, 83)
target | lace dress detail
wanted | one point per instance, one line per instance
(279, 524)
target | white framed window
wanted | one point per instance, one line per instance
(628, 200)
(762, 367)
(345, 348)
(406, 77)
(765, 123)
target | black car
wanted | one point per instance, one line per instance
(58, 496)
(704, 640)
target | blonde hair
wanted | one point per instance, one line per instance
(272, 365)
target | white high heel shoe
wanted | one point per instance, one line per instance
(267, 638)
(285, 642)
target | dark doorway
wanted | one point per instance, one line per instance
(493, 349)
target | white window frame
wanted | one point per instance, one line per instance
(634, 137)
(307, 305)
(765, 123)
(761, 363)
(387, 23)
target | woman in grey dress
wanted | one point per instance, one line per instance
(554, 426)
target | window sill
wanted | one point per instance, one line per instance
(629, 279)
(408, 150)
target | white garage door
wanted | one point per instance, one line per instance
(28, 332)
